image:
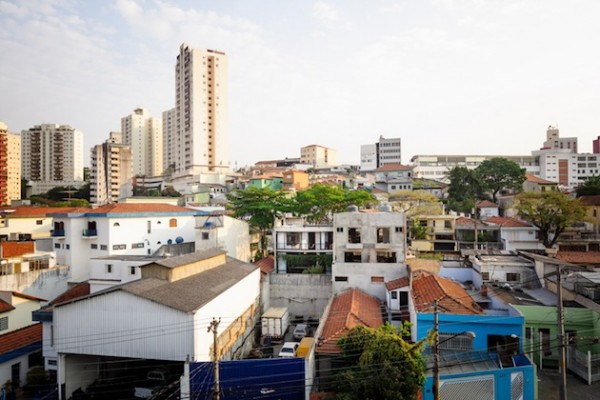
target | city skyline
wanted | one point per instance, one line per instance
(447, 77)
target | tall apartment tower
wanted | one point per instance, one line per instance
(144, 134)
(554, 141)
(386, 151)
(111, 172)
(52, 155)
(201, 103)
(169, 121)
(10, 165)
(318, 156)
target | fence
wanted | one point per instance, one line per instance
(584, 364)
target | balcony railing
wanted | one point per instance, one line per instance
(57, 232)
(305, 246)
(89, 233)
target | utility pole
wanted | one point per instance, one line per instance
(561, 337)
(213, 328)
(436, 353)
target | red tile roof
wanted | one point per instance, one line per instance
(5, 307)
(397, 283)
(121, 208)
(20, 338)
(395, 167)
(452, 297)
(509, 222)
(592, 200)
(22, 295)
(536, 179)
(576, 257)
(266, 264)
(486, 204)
(81, 289)
(350, 308)
(33, 212)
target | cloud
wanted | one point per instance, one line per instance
(325, 13)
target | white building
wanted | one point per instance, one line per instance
(121, 229)
(554, 141)
(318, 156)
(144, 134)
(162, 317)
(386, 151)
(52, 155)
(394, 177)
(202, 120)
(111, 171)
(517, 234)
(169, 121)
(369, 250)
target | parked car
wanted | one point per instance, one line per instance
(156, 379)
(300, 331)
(289, 349)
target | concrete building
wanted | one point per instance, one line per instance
(554, 141)
(318, 156)
(169, 121)
(10, 165)
(369, 250)
(394, 177)
(52, 155)
(144, 134)
(386, 151)
(111, 170)
(596, 145)
(200, 144)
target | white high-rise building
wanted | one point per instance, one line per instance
(202, 118)
(111, 170)
(144, 134)
(386, 151)
(52, 155)
(169, 121)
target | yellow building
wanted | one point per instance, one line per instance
(295, 180)
(10, 165)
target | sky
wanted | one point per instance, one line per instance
(447, 76)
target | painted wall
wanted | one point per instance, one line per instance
(302, 294)
(46, 284)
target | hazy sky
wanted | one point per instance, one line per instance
(447, 76)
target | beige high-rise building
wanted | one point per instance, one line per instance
(144, 134)
(169, 121)
(111, 172)
(52, 155)
(201, 106)
(318, 156)
(10, 165)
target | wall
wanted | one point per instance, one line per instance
(302, 294)
(46, 284)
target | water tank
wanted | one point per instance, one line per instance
(179, 240)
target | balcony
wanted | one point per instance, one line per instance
(304, 246)
(57, 233)
(353, 246)
(89, 233)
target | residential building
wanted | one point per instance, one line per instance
(486, 209)
(596, 145)
(10, 165)
(17, 257)
(266, 181)
(385, 151)
(52, 155)
(299, 245)
(20, 337)
(477, 234)
(144, 135)
(27, 222)
(164, 315)
(534, 183)
(439, 233)
(554, 141)
(200, 144)
(504, 270)
(169, 127)
(369, 250)
(318, 156)
(111, 171)
(591, 204)
(516, 234)
(295, 180)
(394, 177)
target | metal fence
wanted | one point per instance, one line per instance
(584, 364)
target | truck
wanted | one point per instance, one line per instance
(275, 322)
(305, 347)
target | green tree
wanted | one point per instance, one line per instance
(381, 365)
(551, 212)
(589, 187)
(500, 173)
(259, 207)
(464, 189)
(170, 191)
(319, 202)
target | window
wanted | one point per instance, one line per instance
(377, 279)
(341, 279)
(52, 363)
(352, 257)
(172, 223)
(394, 295)
(119, 246)
(132, 270)
(57, 245)
(513, 277)
(527, 333)
(340, 229)
(3, 323)
(383, 235)
(485, 276)
(109, 268)
(67, 246)
(398, 229)
(354, 235)
(460, 342)
(545, 337)
(149, 227)
(94, 246)
(205, 235)
(137, 245)
(39, 222)
(292, 239)
(103, 247)
(116, 224)
(386, 257)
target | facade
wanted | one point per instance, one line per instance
(111, 170)
(439, 233)
(202, 121)
(169, 128)
(386, 151)
(534, 183)
(295, 180)
(596, 145)
(516, 234)
(554, 141)
(369, 250)
(144, 135)
(394, 177)
(10, 165)
(27, 222)
(52, 155)
(318, 156)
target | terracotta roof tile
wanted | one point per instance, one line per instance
(592, 200)
(350, 308)
(122, 208)
(397, 283)
(266, 264)
(79, 290)
(395, 167)
(536, 179)
(576, 257)
(20, 338)
(486, 204)
(23, 295)
(33, 212)
(452, 298)
(5, 307)
(509, 222)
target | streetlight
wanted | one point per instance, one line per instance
(436, 350)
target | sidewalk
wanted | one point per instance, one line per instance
(577, 389)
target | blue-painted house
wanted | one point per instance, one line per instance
(481, 354)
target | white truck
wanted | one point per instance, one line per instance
(275, 322)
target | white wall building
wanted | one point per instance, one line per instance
(111, 171)
(144, 134)
(52, 155)
(369, 250)
(385, 151)
(202, 117)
